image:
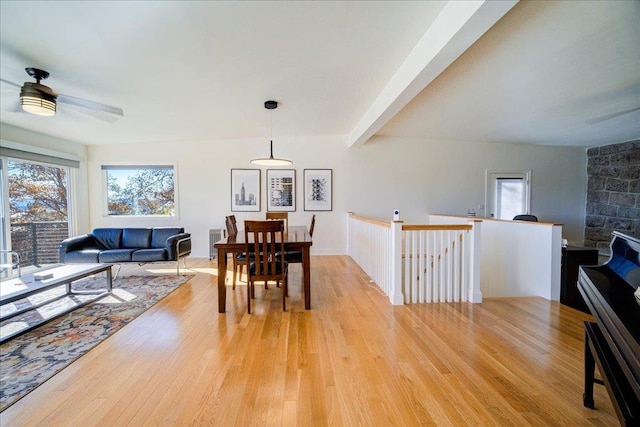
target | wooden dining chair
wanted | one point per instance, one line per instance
(279, 216)
(295, 257)
(313, 225)
(239, 258)
(265, 239)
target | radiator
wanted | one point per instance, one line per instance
(215, 234)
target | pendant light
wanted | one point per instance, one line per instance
(271, 161)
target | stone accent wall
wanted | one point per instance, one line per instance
(613, 193)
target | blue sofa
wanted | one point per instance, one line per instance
(123, 245)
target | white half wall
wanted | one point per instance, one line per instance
(517, 258)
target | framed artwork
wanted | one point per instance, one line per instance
(245, 190)
(281, 190)
(318, 189)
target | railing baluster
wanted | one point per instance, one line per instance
(421, 268)
(429, 267)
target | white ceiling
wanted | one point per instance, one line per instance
(188, 71)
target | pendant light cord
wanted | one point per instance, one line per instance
(271, 133)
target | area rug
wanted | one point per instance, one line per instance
(28, 360)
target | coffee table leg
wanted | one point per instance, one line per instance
(109, 280)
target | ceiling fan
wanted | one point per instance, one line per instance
(610, 116)
(36, 98)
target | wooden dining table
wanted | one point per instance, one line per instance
(297, 238)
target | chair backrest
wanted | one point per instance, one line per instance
(532, 218)
(279, 216)
(265, 239)
(313, 225)
(232, 227)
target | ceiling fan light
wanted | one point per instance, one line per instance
(36, 102)
(39, 106)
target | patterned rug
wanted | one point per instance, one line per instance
(28, 360)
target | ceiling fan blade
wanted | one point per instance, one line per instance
(610, 116)
(10, 83)
(101, 115)
(91, 105)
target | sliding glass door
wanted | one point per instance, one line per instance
(36, 197)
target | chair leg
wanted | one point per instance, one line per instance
(233, 273)
(249, 286)
(286, 287)
(285, 290)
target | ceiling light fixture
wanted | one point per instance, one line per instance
(36, 98)
(271, 161)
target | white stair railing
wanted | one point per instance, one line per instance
(370, 248)
(418, 263)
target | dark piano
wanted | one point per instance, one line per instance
(613, 341)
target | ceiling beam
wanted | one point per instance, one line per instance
(455, 29)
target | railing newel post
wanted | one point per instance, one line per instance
(395, 293)
(475, 295)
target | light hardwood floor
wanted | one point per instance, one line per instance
(352, 360)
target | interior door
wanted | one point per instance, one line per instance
(507, 193)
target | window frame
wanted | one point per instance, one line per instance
(105, 166)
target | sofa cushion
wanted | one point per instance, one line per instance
(81, 256)
(116, 255)
(149, 255)
(108, 238)
(136, 238)
(161, 234)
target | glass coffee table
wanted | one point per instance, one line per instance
(24, 287)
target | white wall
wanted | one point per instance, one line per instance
(448, 177)
(204, 183)
(416, 176)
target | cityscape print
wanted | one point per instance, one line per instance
(245, 190)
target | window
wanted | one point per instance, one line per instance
(510, 197)
(507, 194)
(134, 190)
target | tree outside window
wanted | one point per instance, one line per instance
(37, 192)
(140, 190)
